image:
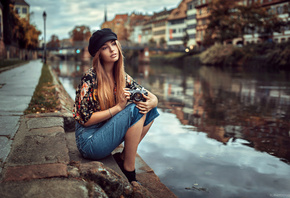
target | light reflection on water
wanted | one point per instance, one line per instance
(219, 134)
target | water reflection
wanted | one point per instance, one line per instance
(220, 133)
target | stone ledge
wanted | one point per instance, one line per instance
(40, 171)
(48, 188)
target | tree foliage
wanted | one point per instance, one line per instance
(19, 31)
(230, 20)
(185, 39)
(54, 42)
(28, 35)
(220, 26)
(80, 33)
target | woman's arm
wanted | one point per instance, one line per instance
(100, 116)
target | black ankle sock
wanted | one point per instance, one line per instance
(131, 175)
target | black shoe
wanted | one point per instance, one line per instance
(131, 175)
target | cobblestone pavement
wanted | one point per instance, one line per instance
(16, 89)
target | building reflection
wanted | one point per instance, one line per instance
(226, 107)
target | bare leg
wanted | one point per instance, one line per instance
(144, 132)
(132, 139)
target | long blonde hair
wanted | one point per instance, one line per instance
(105, 90)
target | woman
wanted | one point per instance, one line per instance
(104, 117)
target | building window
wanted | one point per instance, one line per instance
(24, 10)
(190, 6)
(192, 36)
(193, 26)
(17, 9)
(189, 17)
(160, 32)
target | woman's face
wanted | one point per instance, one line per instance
(109, 52)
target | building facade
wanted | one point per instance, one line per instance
(202, 15)
(159, 27)
(177, 26)
(168, 28)
(281, 8)
(191, 23)
(147, 31)
(22, 9)
(136, 22)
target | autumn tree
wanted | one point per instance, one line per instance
(28, 35)
(54, 42)
(23, 32)
(80, 33)
(19, 30)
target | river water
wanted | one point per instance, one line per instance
(219, 134)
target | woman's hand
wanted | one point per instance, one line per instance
(145, 107)
(124, 98)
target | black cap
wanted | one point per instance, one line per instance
(98, 39)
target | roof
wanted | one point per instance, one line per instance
(137, 19)
(121, 17)
(21, 2)
(180, 11)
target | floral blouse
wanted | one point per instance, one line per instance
(85, 102)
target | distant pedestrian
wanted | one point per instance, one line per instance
(105, 117)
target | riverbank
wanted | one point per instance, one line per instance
(267, 56)
(42, 159)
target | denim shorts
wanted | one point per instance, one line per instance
(98, 141)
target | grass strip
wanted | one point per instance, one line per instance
(10, 62)
(44, 98)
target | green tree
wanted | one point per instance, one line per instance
(185, 39)
(162, 42)
(152, 43)
(230, 20)
(255, 18)
(220, 26)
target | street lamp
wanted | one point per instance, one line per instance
(44, 54)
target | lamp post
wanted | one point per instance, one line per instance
(44, 53)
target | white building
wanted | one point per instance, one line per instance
(22, 9)
(281, 9)
(146, 32)
(177, 26)
(191, 23)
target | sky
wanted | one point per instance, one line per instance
(64, 15)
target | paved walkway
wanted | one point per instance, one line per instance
(38, 154)
(16, 89)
